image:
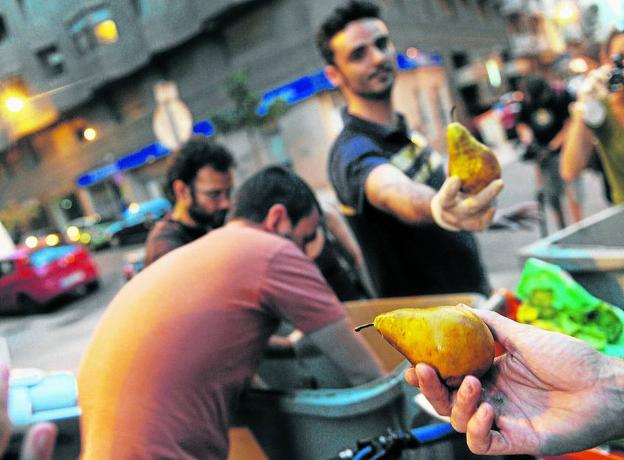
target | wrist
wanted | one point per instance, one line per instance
(612, 376)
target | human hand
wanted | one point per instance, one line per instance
(454, 211)
(594, 86)
(548, 394)
(39, 441)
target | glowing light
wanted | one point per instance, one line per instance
(412, 52)
(89, 134)
(493, 72)
(31, 242)
(578, 65)
(52, 239)
(73, 233)
(106, 32)
(85, 238)
(566, 12)
(133, 208)
(14, 104)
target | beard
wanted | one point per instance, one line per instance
(207, 219)
(383, 94)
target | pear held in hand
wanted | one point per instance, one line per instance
(451, 339)
(474, 163)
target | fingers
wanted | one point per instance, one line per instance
(484, 198)
(39, 442)
(466, 403)
(479, 222)
(479, 434)
(434, 390)
(448, 192)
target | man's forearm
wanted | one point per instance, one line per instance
(410, 203)
(348, 352)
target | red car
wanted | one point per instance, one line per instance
(30, 278)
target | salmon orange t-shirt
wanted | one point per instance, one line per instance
(180, 341)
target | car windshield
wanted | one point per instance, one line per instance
(45, 256)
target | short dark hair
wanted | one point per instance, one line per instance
(269, 186)
(196, 153)
(338, 20)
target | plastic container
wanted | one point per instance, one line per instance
(313, 424)
(305, 423)
(592, 251)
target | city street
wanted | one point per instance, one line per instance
(55, 340)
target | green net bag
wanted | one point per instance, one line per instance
(552, 300)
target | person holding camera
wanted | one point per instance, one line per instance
(542, 127)
(598, 121)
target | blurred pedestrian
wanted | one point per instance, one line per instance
(411, 221)
(542, 127)
(598, 121)
(200, 180)
(177, 345)
(548, 394)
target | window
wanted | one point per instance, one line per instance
(3, 29)
(52, 61)
(141, 7)
(94, 29)
(447, 7)
(484, 7)
(20, 5)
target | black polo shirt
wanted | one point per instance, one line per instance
(403, 259)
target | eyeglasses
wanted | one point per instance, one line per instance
(215, 195)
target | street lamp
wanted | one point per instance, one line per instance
(566, 12)
(89, 134)
(14, 104)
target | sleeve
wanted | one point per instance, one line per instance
(352, 162)
(160, 242)
(295, 290)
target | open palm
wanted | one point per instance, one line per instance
(547, 394)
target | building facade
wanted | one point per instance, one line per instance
(76, 98)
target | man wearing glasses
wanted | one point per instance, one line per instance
(200, 178)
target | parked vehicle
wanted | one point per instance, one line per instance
(134, 262)
(31, 278)
(42, 238)
(89, 231)
(136, 222)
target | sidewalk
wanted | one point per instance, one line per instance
(499, 248)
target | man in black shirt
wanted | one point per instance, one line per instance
(542, 126)
(200, 178)
(411, 221)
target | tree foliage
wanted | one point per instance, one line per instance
(246, 103)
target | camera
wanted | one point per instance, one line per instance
(616, 77)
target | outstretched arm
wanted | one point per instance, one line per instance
(578, 145)
(388, 189)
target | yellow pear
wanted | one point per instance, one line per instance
(451, 339)
(474, 163)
